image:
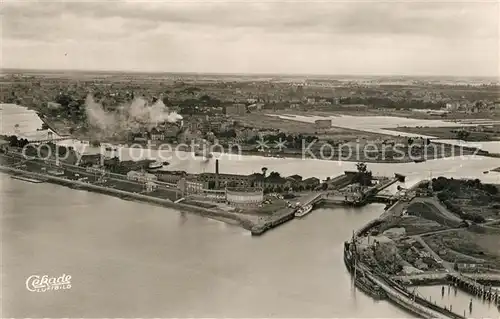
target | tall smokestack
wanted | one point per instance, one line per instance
(216, 174)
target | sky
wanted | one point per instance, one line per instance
(438, 37)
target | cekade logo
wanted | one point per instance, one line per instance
(44, 283)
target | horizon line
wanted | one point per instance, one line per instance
(246, 74)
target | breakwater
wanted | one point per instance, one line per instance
(260, 229)
(206, 212)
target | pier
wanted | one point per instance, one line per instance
(473, 287)
(445, 276)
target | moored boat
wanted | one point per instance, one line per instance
(304, 211)
(155, 165)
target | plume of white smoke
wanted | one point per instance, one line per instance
(133, 116)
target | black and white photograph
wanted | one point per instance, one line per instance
(250, 159)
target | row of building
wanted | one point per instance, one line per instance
(240, 197)
(235, 189)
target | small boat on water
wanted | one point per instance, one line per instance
(203, 154)
(155, 165)
(304, 211)
(486, 172)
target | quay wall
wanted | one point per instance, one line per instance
(150, 199)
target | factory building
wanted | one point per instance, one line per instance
(190, 186)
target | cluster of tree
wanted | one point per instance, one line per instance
(193, 106)
(453, 186)
(363, 176)
(387, 260)
(463, 135)
(449, 188)
(380, 102)
(231, 133)
(72, 107)
(455, 209)
(14, 141)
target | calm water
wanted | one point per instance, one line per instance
(129, 259)
(20, 121)
(460, 302)
(134, 260)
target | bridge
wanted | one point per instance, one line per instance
(313, 199)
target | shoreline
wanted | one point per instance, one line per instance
(256, 228)
(205, 212)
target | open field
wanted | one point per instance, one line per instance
(413, 225)
(352, 111)
(262, 121)
(452, 133)
(466, 246)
